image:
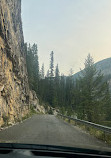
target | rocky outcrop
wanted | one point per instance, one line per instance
(14, 88)
(34, 101)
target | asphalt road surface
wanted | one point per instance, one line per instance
(48, 129)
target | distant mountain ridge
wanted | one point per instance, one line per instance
(105, 67)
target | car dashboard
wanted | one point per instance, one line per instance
(43, 151)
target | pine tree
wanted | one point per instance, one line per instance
(56, 86)
(92, 93)
(42, 72)
(62, 92)
(32, 66)
(71, 72)
(51, 80)
(57, 72)
(29, 63)
(35, 67)
(52, 64)
(47, 75)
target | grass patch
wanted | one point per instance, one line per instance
(5, 120)
(25, 117)
(106, 123)
(30, 113)
(92, 131)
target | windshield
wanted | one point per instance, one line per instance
(55, 72)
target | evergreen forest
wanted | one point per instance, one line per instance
(87, 98)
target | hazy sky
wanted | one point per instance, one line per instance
(71, 28)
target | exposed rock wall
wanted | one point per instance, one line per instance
(14, 89)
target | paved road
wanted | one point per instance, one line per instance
(47, 129)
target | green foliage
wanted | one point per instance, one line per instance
(25, 117)
(93, 131)
(42, 72)
(30, 113)
(5, 119)
(94, 98)
(63, 110)
(32, 110)
(32, 66)
(88, 97)
(50, 112)
(52, 64)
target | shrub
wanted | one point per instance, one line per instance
(50, 112)
(5, 119)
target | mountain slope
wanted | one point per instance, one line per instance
(104, 66)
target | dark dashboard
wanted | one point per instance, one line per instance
(46, 151)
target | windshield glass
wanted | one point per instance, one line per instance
(55, 72)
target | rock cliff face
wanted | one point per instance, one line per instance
(14, 89)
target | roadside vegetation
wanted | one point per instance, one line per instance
(7, 122)
(30, 114)
(86, 97)
(92, 131)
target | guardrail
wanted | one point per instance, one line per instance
(94, 125)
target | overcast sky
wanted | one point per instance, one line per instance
(71, 28)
